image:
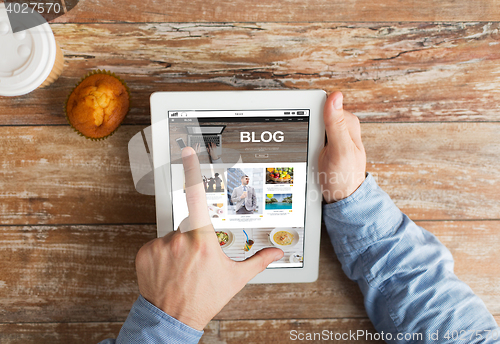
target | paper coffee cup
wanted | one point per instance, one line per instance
(28, 59)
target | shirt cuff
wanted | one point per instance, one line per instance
(147, 323)
(361, 219)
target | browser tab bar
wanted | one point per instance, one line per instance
(229, 113)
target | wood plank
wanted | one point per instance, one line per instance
(69, 273)
(87, 274)
(53, 175)
(387, 71)
(292, 330)
(447, 169)
(216, 332)
(283, 11)
(50, 175)
(84, 332)
(50, 333)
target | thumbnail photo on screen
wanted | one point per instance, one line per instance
(245, 191)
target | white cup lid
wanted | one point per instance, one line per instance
(26, 57)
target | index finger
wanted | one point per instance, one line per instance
(195, 192)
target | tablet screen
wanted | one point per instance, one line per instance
(253, 165)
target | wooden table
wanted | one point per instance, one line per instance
(423, 76)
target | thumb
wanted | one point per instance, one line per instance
(259, 261)
(335, 122)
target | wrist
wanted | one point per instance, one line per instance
(173, 310)
(149, 315)
(336, 192)
(196, 324)
(362, 218)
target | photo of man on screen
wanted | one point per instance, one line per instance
(244, 197)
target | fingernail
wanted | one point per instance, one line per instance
(278, 257)
(187, 151)
(337, 104)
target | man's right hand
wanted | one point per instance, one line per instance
(342, 162)
(185, 273)
(244, 195)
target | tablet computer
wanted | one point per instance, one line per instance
(258, 153)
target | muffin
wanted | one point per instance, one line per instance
(98, 105)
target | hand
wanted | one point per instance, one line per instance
(211, 149)
(342, 162)
(197, 148)
(244, 195)
(186, 274)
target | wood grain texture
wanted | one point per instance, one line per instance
(53, 175)
(387, 71)
(87, 274)
(68, 273)
(216, 332)
(283, 11)
(50, 175)
(450, 170)
(51, 333)
(279, 331)
(282, 331)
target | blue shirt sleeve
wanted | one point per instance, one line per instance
(404, 272)
(149, 324)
